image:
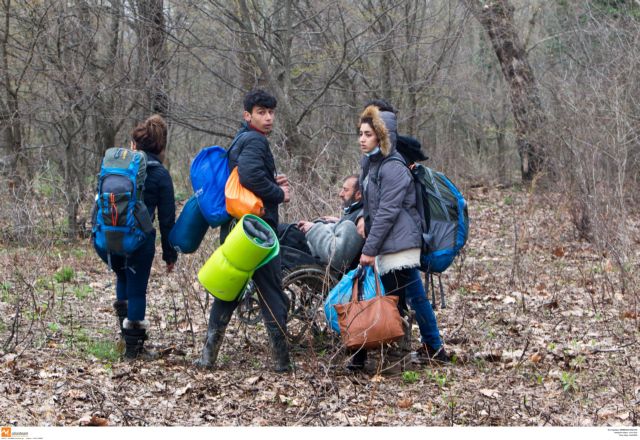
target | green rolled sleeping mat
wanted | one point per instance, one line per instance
(250, 245)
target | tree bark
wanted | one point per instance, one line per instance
(153, 55)
(10, 118)
(497, 19)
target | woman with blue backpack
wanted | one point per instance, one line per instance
(392, 226)
(124, 233)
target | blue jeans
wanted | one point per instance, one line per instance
(408, 283)
(132, 276)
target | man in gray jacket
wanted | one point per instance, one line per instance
(335, 240)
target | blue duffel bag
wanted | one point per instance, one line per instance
(190, 228)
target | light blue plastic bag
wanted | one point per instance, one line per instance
(341, 293)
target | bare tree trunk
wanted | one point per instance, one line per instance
(497, 19)
(153, 54)
(106, 126)
(10, 118)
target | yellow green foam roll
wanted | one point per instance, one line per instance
(221, 278)
(250, 245)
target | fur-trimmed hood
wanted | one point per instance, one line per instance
(379, 127)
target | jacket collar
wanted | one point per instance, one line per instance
(152, 156)
(353, 207)
(245, 126)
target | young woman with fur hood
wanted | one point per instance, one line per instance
(393, 231)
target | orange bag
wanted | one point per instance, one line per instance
(239, 200)
(370, 323)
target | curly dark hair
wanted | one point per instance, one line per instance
(259, 98)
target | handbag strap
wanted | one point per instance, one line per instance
(354, 289)
(377, 278)
(354, 286)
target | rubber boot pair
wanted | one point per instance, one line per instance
(135, 333)
(215, 336)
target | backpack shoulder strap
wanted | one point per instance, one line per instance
(388, 159)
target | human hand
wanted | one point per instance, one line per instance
(170, 267)
(330, 219)
(304, 226)
(285, 189)
(360, 227)
(282, 179)
(366, 260)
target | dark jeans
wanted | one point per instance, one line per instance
(132, 276)
(273, 302)
(408, 284)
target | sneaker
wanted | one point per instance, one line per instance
(427, 355)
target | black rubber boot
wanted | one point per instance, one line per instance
(279, 348)
(358, 360)
(215, 336)
(135, 333)
(120, 307)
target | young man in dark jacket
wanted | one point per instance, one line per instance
(251, 153)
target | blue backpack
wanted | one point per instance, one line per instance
(209, 174)
(444, 214)
(445, 218)
(121, 221)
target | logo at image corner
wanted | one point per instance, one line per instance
(6, 432)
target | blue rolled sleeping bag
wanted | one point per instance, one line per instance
(190, 228)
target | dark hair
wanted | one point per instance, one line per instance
(367, 120)
(259, 98)
(383, 106)
(151, 135)
(356, 185)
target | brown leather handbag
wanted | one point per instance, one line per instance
(370, 323)
(239, 200)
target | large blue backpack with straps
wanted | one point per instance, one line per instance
(121, 220)
(444, 214)
(444, 211)
(209, 174)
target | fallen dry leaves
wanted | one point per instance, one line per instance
(541, 331)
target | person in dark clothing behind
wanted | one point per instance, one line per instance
(132, 273)
(251, 153)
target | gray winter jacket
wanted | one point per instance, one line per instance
(392, 220)
(337, 243)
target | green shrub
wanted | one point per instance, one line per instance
(64, 275)
(103, 350)
(410, 376)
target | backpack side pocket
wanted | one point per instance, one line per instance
(141, 213)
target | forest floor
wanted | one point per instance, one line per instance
(544, 329)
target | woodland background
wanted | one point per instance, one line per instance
(531, 107)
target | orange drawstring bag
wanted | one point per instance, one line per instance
(239, 200)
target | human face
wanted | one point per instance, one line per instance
(347, 193)
(368, 138)
(261, 118)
